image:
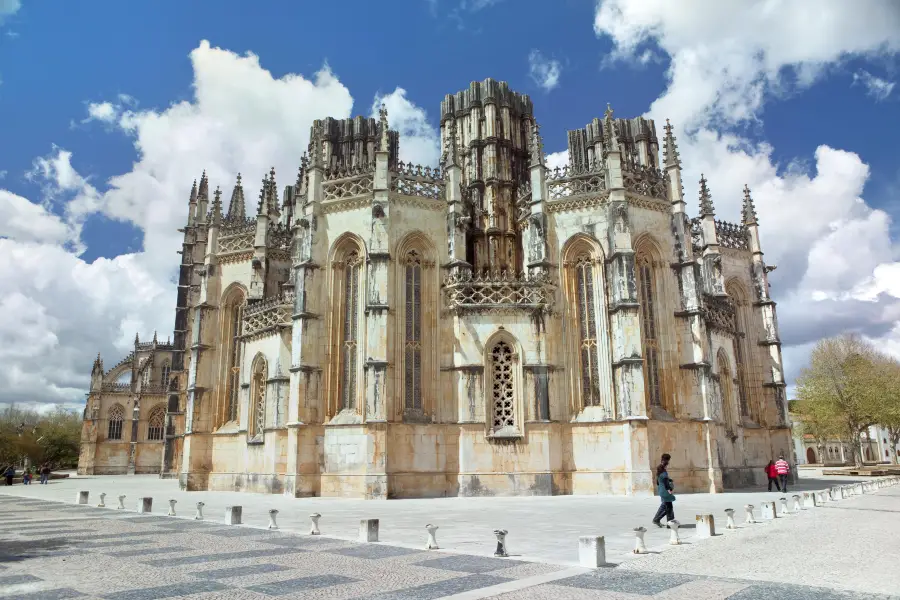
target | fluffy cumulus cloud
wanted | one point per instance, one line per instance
(543, 71)
(876, 87)
(834, 253)
(9, 8)
(56, 310)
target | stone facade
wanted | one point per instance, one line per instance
(489, 327)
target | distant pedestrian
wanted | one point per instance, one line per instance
(9, 473)
(26, 477)
(45, 473)
(783, 469)
(772, 475)
(664, 488)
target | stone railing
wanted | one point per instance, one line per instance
(280, 236)
(718, 312)
(348, 182)
(237, 239)
(237, 226)
(646, 181)
(153, 388)
(498, 291)
(116, 387)
(731, 236)
(576, 180)
(343, 172)
(266, 316)
(415, 180)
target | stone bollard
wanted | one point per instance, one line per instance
(199, 515)
(673, 527)
(591, 551)
(810, 499)
(823, 497)
(368, 530)
(172, 503)
(835, 493)
(639, 547)
(859, 489)
(121, 505)
(729, 519)
(145, 505)
(314, 527)
(784, 505)
(706, 526)
(750, 520)
(272, 514)
(798, 502)
(233, 515)
(82, 498)
(102, 501)
(431, 544)
(768, 510)
(501, 543)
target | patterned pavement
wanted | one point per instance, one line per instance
(50, 550)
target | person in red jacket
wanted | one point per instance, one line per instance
(772, 474)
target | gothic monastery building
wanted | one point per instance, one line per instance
(491, 327)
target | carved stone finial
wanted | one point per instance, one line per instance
(670, 148)
(204, 186)
(217, 206)
(748, 210)
(382, 117)
(137, 339)
(315, 147)
(193, 193)
(609, 112)
(154, 336)
(609, 130)
(706, 205)
(537, 146)
(236, 208)
(263, 196)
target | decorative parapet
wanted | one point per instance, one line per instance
(499, 291)
(152, 345)
(646, 181)
(154, 388)
(718, 312)
(415, 180)
(116, 388)
(267, 316)
(236, 237)
(350, 182)
(280, 236)
(696, 235)
(731, 235)
(574, 180)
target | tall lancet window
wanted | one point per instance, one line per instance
(231, 350)
(587, 326)
(259, 374)
(166, 370)
(649, 330)
(504, 389)
(413, 339)
(739, 302)
(350, 337)
(726, 385)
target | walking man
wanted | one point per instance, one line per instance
(664, 489)
(783, 469)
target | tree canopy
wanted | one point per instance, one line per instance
(54, 437)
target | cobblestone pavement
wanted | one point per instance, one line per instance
(52, 550)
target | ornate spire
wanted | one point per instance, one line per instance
(382, 117)
(537, 145)
(670, 148)
(98, 363)
(748, 210)
(204, 185)
(237, 208)
(315, 147)
(261, 208)
(154, 337)
(193, 199)
(272, 200)
(450, 156)
(216, 209)
(137, 340)
(301, 173)
(609, 130)
(706, 205)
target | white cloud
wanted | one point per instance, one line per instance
(877, 88)
(105, 112)
(835, 257)
(57, 311)
(557, 159)
(543, 71)
(9, 8)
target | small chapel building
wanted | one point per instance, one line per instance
(489, 327)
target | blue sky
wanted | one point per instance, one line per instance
(785, 100)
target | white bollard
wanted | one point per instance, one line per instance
(673, 527)
(368, 530)
(314, 527)
(784, 505)
(145, 505)
(639, 547)
(82, 498)
(501, 543)
(233, 515)
(172, 503)
(750, 520)
(798, 503)
(199, 515)
(810, 499)
(121, 505)
(102, 501)
(729, 519)
(706, 526)
(591, 551)
(768, 510)
(431, 544)
(859, 489)
(272, 514)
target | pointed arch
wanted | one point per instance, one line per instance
(504, 403)
(587, 326)
(259, 375)
(232, 303)
(742, 350)
(347, 276)
(164, 373)
(115, 416)
(156, 422)
(726, 387)
(417, 288)
(648, 267)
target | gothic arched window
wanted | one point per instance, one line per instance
(587, 326)
(166, 370)
(503, 386)
(412, 367)
(649, 330)
(259, 374)
(115, 416)
(146, 367)
(739, 300)
(231, 348)
(726, 385)
(156, 423)
(350, 330)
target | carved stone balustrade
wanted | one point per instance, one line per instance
(116, 387)
(718, 312)
(731, 236)
(268, 316)
(408, 179)
(646, 181)
(499, 291)
(575, 180)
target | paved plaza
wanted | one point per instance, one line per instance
(51, 547)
